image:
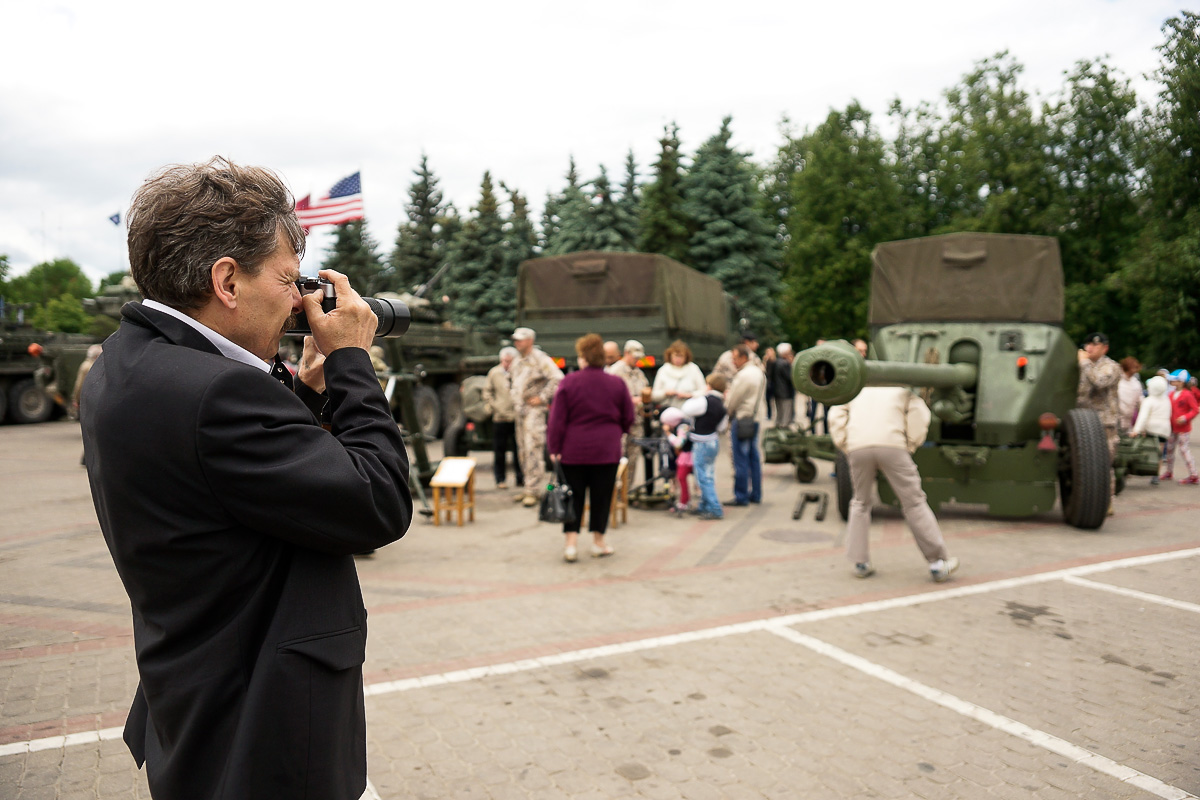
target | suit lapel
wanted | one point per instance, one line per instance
(173, 330)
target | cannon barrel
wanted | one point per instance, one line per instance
(834, 373)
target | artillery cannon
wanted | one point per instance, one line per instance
(975, 321)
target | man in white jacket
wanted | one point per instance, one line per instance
(878, 431)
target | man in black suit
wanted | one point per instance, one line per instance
(231, 514)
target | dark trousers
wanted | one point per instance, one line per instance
(598, 480)
(504, 441)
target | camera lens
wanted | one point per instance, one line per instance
(393, 316)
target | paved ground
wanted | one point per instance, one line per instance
(731, 659)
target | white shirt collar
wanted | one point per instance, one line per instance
(227, 348)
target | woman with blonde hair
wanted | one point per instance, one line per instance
(678, 378)
(590, 411)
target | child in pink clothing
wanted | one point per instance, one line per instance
(1183, 409)
(676, 433)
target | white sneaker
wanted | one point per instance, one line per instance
(941, 570)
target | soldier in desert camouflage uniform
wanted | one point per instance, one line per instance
(535, 377)
(626, 369)
(1098, 379)
(1099, 376)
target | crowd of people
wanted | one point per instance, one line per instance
(1163, 409)
(271, 700)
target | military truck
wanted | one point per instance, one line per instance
(976, 320)
(32, 361)
(650, 298)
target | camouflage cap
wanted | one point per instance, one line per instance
(521, 334)
(635, 347)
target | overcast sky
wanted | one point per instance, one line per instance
(97, 95)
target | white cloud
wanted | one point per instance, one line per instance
(111, 91)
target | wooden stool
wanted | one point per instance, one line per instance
(620, 498)
(457, 474)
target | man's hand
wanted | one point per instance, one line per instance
(533, 401)
(1084, 357)
(351, 324)
(312, 366)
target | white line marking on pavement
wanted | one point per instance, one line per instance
(1134, 593)
(998, 721)
(59, 742)
(492, 670)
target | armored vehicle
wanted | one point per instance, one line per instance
(37, 368)
(440, 354)
(975, 320)
(650, 298)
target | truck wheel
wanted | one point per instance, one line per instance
(3, 400)
(429, 411)
(450, 397)
(1084, 470)
(806, 470)
(29, 403)
(845, 487)
(454, 441)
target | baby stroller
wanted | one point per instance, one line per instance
(657, 489)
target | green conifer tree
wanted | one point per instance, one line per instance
(566, 202)
(733, 240)
(663, 226)
(355, 254)
(630, 202)
(518, 244)
(477, 262)
(595, 221)
(420, 240)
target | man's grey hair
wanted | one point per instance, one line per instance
(783, 348)
(509, 352)
(188, 216)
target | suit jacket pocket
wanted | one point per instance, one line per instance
(335, 651)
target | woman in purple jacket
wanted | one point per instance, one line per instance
(588, 415)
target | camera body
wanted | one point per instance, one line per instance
(393, 315)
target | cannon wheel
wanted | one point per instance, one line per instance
(845, 487)
(28, 403)
(806, 470)
(429, 410)
(1084, 470)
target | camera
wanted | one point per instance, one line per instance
(393, 315)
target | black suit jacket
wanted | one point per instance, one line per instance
(233, 517)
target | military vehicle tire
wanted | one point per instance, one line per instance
(450, 396)
(1084, 470)
(454, 440)
(3, 400)
(845, 487)
(429, 410)
(28, 403)
(806, 470)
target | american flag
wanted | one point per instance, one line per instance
(343, 203)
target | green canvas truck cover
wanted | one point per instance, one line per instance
(593, 284)
(974, 277)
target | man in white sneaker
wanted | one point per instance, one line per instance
(878, 431)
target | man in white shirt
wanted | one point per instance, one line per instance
(878, 431)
